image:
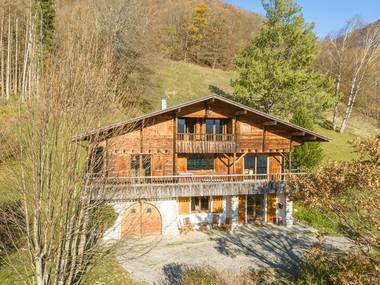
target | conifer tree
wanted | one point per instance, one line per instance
(46, 22)
(309, 154)
(276, 68)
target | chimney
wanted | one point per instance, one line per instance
(163, 103)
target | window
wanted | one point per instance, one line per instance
(200, 162)
(200, 204)
(262, 166)
(181, 126)
(141, 165)
(95, 163)
(249, 164)
(256, 164)
(255, 207)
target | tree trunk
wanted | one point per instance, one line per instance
(15, 84)
(8, 71)
(2, 60)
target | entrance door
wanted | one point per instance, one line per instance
(141, 218)
(271, 208)
(241, 209)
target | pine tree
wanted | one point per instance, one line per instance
(276, 68)
(309, 154)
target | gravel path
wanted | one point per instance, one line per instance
(161, 260)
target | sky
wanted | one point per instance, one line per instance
(329, 16)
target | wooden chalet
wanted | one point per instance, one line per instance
(210, 156)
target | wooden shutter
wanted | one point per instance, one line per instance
(122, 165)
(184, 203)
(241, 209)
(217, 204)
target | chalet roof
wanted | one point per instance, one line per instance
(108, 131)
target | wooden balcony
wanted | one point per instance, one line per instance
(161, 187)
(205, 143)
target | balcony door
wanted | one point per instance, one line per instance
(256, 165)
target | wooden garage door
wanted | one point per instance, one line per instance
(141, 218)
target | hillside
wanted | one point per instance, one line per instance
(190, 81)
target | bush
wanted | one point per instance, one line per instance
(324, 267)
(201, 276)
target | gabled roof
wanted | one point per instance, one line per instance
(303, 134)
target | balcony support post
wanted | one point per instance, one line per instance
(175, 128)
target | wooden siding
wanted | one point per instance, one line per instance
(157, 137)
(186, 146)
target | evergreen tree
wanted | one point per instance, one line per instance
(276, 68)
(46, 23)
(309, 154)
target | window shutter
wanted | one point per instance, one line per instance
(184, 203)
(217, 204)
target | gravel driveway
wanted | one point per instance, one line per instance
(162, 259)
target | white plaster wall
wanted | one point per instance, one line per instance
(265, 208)
(288, 212)
(234, 211)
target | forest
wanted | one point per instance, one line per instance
(69, 66)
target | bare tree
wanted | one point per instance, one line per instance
(336, 49)
(54, 236)
(350, 57)
(363, 61)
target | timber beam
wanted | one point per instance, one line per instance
(297, 134)
(240, 112)
(270, 123)
(310, 138)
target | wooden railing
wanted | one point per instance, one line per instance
(188, 178)
(205, 143)
(185, 185)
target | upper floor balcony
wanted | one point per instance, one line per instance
(186, 185)
(205, 143)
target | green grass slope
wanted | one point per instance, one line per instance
(188, 81)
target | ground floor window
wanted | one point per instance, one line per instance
(200, 204)
(255, 207)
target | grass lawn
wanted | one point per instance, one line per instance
(108, 271)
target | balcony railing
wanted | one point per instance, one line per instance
(186, 185)
(205, 143)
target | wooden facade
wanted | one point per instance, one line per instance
(211, 136)
(210, 156)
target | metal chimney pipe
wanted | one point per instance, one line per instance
(163, 103)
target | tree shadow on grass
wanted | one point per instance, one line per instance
(173, 273)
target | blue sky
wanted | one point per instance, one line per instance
(328, 15)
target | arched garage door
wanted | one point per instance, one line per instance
(141, 218)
